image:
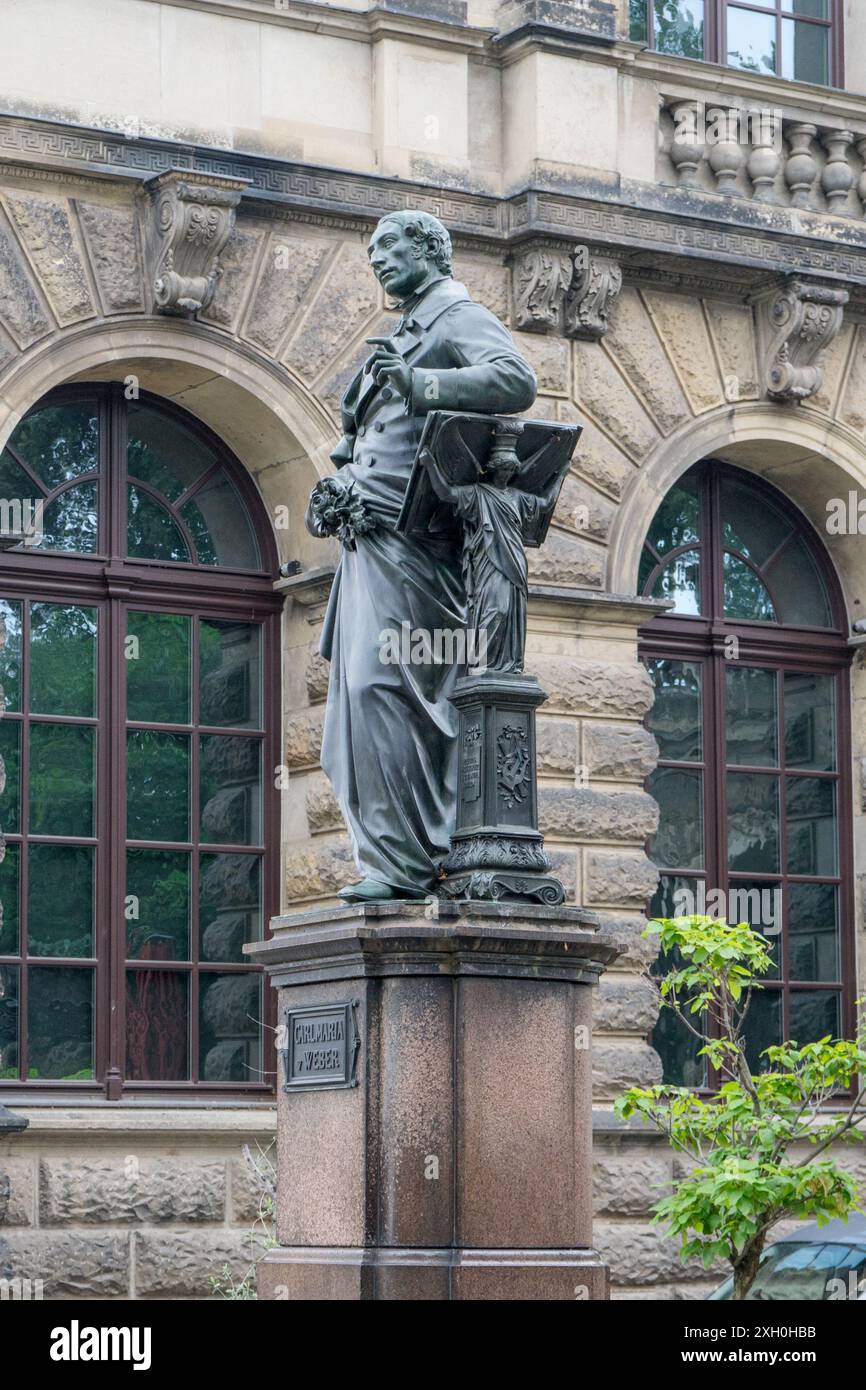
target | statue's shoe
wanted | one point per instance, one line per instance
(369, 890)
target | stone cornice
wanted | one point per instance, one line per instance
(649, 221)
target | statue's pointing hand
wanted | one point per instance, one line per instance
(388, 367)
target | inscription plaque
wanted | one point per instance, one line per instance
(321, 1049)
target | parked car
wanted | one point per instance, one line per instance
(816, 1262)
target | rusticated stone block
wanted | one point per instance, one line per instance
(733, 327)
(637, 951)
(629, 1182)
(487, 284)
(114, 255)
(180, 1264)
(595, 687)
(599, 386)
(549, 358)
(625, 1004)
(45, 228)
(595, 17)
(20, 306)
(681, 323)
(581, 813)
(346, 301)
(317, 675)
(17, 1188)
(635, 344)
(619, 878)
(641, 1254)
(596, 457)
(237, 260)
(323, 812)
(563, 865)
(289, 267)
(625, 752)
(556, 746)
(320, 870)
(582, 509)
(130, 1190)
(618, 1063)
(562, 560)
(249, 1197)
(304, 738)
(70, 1264)
(330, 391)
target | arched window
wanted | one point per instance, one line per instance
(751, 717)
(139, 682)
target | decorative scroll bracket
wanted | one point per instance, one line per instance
(557, 290)
(191, 219)
(797, 322)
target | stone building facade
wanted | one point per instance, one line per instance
(683, 298)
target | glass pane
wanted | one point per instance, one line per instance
(60, 1023)
(9, 976)
(805, 52)
(220, 527)
(62, 660)
(813, 9)
(9, 910)
(751, 716)
(761, 905)
(812, 836)
(745, 595)
(17, 500)
(163, 453)
(763, 1026)
(677, 521)
(230, 907)
(813, 932)
(157, 653)
(799, 588)
(679, 841)
(10, 778)
(71, 521)
(152, 534)
(157, 1025)
(814, 1014)
(231, 790)
(679, 26)
(10, 656)
(230, 674)
(753, 823)
(157, 785)
(156, 904)
(676, 1046)
(60, 900)
(751, 525)
(678, 896)
(62, 768)
(230, 1027)
(681, 581)
(637, 17)
(810, 721)
(751, 40)
(59, 442)
(676, 717)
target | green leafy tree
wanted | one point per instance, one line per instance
(761, 1146)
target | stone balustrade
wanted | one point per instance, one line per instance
(760, 155)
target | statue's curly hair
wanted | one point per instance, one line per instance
(427, 232)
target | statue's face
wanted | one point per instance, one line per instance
(395, 260)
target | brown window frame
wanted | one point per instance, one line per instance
(716, 33)
(115, 584)
(772, 646)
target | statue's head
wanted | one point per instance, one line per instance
(408, 250)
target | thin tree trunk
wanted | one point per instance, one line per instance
(746, 1266)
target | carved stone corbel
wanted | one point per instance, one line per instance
(596, 281)
(797, 322)
(191, 219)
(557, 290)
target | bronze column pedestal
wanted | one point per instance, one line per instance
(434, 1136)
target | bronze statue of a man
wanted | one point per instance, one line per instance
(390, 737)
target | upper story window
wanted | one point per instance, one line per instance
(797, 39)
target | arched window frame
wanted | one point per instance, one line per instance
(706, 639)
(114, 582)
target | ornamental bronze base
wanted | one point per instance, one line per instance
(498, 885)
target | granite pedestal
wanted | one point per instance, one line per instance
(434, 1128)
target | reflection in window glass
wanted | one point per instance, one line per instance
(751, 716)
(62, 660)
(62, 779)
(10, 780)
(59, 442)
(9, 991)
(813, 933)
(230, 1027)
(230, 674)
(157, 904)
(157, 1025)
(152, 532)
(764, 1028)
(679, 27)
(679, 841)
(812, 831)
(637, 21)
(220, 526)
(157, 668)
(753, 823)
(230, 904)
(163, 453)
(810, 721)
(681, 581)
(60, 1023)
(676, 718)
(61, 900)
(231, 790)
(814, 1014)
(754, 532)
(800, 590)
(805, 52)
(157, 786)
(10, 656)
(71, 521)
(751, 40)
(10, 867)
(745, 596)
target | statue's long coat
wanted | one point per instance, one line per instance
(390, 738)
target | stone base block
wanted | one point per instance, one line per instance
(432, 1275)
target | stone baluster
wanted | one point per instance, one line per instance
(765, 158)
(861, 182)
(726, 155)
(687, 148)
(801, 168)
(837, 178)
